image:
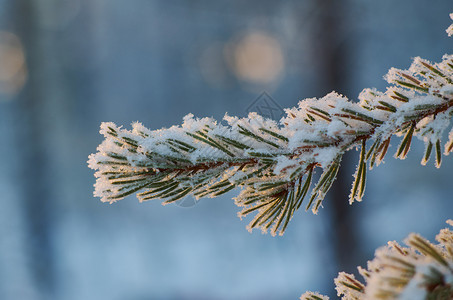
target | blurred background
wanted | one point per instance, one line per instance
(68, 65)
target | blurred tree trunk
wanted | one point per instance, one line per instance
(32, 136)
(333, 54)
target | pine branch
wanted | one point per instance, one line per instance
(274, 163)
(421, 271)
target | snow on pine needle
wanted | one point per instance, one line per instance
(422, 270)
(450, 28)
(274, 163)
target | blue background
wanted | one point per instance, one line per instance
(66, 66)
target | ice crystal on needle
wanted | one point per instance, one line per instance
(274, 162)
(450, 28)
(417, 272)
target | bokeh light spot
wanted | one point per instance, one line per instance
(257, 57)
(13, 71)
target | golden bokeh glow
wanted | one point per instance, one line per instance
(13, 71)
(257, 57)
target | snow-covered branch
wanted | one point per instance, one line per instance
(417, 272)
(274, 162)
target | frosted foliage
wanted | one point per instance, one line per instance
(450, 28)
(313, 296)
(273, 162)
(420, 271)
(432, 127)
(347, 285)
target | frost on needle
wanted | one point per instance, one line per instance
(420, 271)
(274, 163)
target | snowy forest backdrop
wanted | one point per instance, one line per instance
(68, 65)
